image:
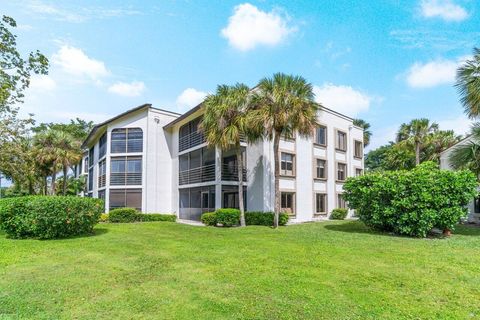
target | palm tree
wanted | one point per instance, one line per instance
(416, 133)
(225, 124)
(47, 154)
(467, 155)
(468, 84)
(69, 153)
(367, 134)
(438, 142)
(284, 105)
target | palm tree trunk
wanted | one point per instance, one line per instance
(65, 171)
(30, 187)
(240, 186)
(417, 154)
(276, 145)
(54, 178)
(45, 185)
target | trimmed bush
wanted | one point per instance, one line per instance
(49, 217)
(339, 214)
(209, 218)
(148, 217)
(228, 217)
(104, 217)
(123, 215)
(260, 218)
(412, 202)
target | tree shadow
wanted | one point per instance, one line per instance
(355, 227)
(467, 230)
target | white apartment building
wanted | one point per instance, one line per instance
(158, 161)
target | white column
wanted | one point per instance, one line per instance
(218, 178)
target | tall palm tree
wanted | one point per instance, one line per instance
(284, 105)
(438, 142)
(367, 134)
(467, 155)
(47, 154)
(225, 123)
(416, 133)
(468, 84)
(69, 153)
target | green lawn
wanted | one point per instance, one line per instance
(332, 270)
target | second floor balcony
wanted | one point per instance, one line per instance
(208, 174)
(190, 140)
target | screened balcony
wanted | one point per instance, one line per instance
(190, 135)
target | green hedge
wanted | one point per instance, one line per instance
(128, 215)
(339, 214)
(231, 217)
(148, 217)
(411, 202)
(49, 217)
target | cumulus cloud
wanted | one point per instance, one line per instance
(75, 62)
(433, 73)
(249, 27)
(190, 98)
(133, 89)
(444, 9)
(460, 124)
(42, 83)
(343, 99)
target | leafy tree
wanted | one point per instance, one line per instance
(77, 128)
(439, 141)
(225, 124)
(468, 84)
(284, 105)
(417, 133)
(375, 159)
(48, 154)
(367, 134)
(69, 154)
(467, 155)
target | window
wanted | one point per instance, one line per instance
(126, 198)
(126, 171)
(286, 164)
(288, 202)
(102, 173)
(476, 205)
(102, 146)
(321, 136)
(340, 202)
(101, 195)
(91, 152)
(90, 179)
(320, 203)
(358, 172)
(190, 135)
(341, 142)
(127, 140)
(341, 171)
(320, 169)
(85, 165)
(358, 149)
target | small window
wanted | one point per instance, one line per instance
(341, 171)
(321, 169)
(287, 164)
(341, 141)
(476, 204)
(288, 202)
(321, 136)
(320, 203)
(85, 165)
(90, 179)
(102, 173)
(91, 153)
(358, 172)
(358, 149)
(340, 202)
(102, 146)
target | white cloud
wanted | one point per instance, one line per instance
(433, 73)
(190, 98)
(249, 27)
(42, 83)
(133, 89)
(461, 124)
(75, 62)
(343, 99)
(444, 9)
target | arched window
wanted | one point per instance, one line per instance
(127, 140)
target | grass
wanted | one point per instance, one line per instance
(332, 270)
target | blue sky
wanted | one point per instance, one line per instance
(384, 61)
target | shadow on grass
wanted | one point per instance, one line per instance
(467, 230)
(354, 227)
(96, 232)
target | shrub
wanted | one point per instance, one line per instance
(147, 217)
(209, 218)
(339, 214)
(49, 217)
(123, 215)
(228, 217)
(259, 218)
(104, 217)
(411, 202)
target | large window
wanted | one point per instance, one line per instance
(320, 169)
(102, 146)
(91, 153)
(197, 166)
(358, 149)
(90, 179)
(195, 201)
(287, 164)
(101, 195)
(287, 202)
(85, 165)
(320, 203)
(126, 171)
(340, 202)
(189, 135)
(102, 173)
(321, 136)
(126, 198)
(341, 141)
(127, 140)
(341, 171)
(358, 172)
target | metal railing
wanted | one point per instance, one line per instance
(125, 178)
(197, 175)
(230, 173)
(102, 180)
(190, 140)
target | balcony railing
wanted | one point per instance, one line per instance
(125, 178)
(230, 173)
(197, 175)
(102, 181)
(190, 140)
